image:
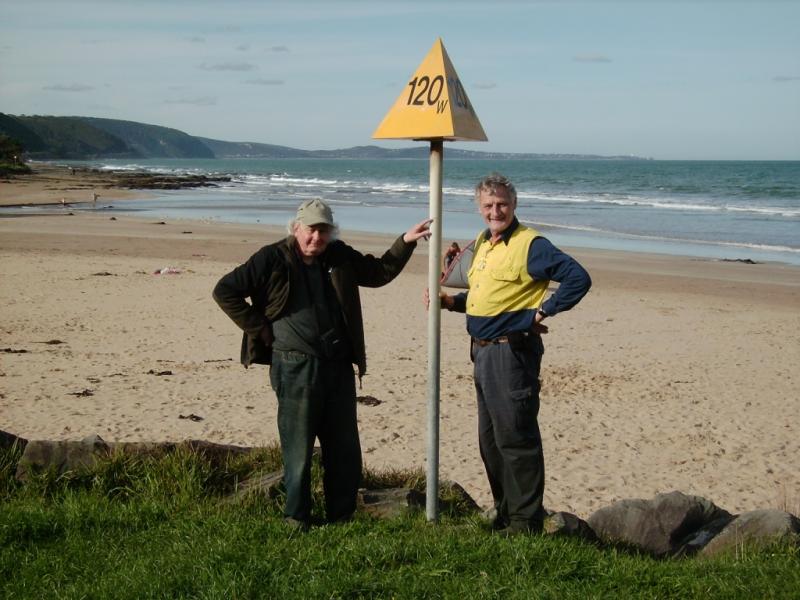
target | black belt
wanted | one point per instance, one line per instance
(504, 339)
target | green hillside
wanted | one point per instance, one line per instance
(81, 138)
(252, 150)
(46, 137)
(15, 129)
(63, 137)
(153, 141)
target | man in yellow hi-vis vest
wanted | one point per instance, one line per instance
(512, 266)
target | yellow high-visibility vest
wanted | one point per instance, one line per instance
(499, 281)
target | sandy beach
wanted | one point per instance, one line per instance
(673, 373)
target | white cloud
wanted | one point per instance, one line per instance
(785, 78)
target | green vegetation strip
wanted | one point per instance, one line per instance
(159, 528)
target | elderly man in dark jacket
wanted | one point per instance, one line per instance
(304, 318)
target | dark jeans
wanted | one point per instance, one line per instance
(507, 384)
(317, 399)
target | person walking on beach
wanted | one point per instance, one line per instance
(304, 319)
(511, 268)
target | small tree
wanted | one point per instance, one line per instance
(10, 150)
(11, 161)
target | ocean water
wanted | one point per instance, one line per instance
(725, 210)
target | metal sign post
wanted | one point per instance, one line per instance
(434, 329)
(433, 106)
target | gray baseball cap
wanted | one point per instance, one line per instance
(315, 212)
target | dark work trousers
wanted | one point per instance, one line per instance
(317, 399)
(507, 384)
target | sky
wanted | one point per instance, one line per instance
(696, 80)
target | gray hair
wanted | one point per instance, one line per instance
(494, 182)
(294, 222)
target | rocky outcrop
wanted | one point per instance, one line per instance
(569, 525)
(669, 525)
(752, 529)
(148, 181)
(69, 455)
(60, 457)
(661, 526)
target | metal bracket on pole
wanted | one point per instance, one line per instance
(434, 332)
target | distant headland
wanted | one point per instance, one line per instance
(86, 138)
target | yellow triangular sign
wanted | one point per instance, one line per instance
(434, 105)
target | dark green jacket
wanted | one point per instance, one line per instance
(264, 279)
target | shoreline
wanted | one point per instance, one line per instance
(59, 185)
(49, 184)
(690, 267)
(52, 183)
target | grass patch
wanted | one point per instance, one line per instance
(144, 527)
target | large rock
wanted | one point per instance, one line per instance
(660, 526)
(8, 440)
(697, 540)
(68, 455)
(753, 529)
(61, 456)
(567, 524)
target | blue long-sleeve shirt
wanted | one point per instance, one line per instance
(545, 261)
